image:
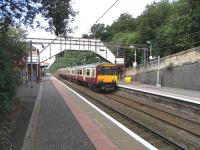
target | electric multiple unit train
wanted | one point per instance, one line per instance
(99, 76)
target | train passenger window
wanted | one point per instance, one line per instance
(88, 72)
(80, 72)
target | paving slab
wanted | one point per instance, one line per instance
(64, 120)
(122, 137)
(57, 129)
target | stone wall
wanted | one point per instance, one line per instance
(181, 70)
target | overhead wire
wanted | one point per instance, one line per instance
(106, 11)
(103, 14)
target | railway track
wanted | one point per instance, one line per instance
(180, 122)
(151, 101)
(151, 135)
(167, 100)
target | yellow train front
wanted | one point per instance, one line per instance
(107, 76)
(99, 76)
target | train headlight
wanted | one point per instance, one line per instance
(100, 81)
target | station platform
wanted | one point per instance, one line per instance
(62, 119)
(175, 93)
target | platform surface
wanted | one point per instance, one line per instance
(179, 94)
(65, 120)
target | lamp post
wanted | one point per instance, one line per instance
(135, 56)
(158, 83)
(150, 49)
(31, 69)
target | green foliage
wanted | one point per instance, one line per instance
(11, 52)
(154, 16)
(7, 82)
(125, 23)
(171, 27)
(58, 12)
(128, 38)
(101, 31)
(74, 58)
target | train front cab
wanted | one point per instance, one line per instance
(107, 77)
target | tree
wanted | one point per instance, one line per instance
(181, 30)
(154, 17)
(125, 23)
(101, 31)
(11, 52)
(58, 12)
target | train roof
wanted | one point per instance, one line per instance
(94, 65)
(91, 65)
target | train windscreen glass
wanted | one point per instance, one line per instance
(108, 70)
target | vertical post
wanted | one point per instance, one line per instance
(60, 44)
(39, 72)
(135, 63)
(70, 44)
(49, 51)
(88, 45)
(79, 44)
(158, 84)
(31, 69)
(145, 64)
(117, 52)
(95, 44)
(106, 54)
(59, 59)
(65, 43)
(150, 57)
(26, 63)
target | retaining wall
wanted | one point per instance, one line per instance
(181, 70)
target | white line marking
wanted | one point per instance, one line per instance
(165, 94)
(125, 129)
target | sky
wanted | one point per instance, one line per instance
(90, 11)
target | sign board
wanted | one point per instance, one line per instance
(34, 60)
(134, 64)
(119, 60)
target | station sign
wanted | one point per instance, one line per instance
(119, 60)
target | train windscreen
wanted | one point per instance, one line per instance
(108, 70)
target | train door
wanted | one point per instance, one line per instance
(84, 74)
(93, 75)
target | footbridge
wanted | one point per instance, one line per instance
(52, 47)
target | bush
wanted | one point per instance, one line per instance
(7, 82)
